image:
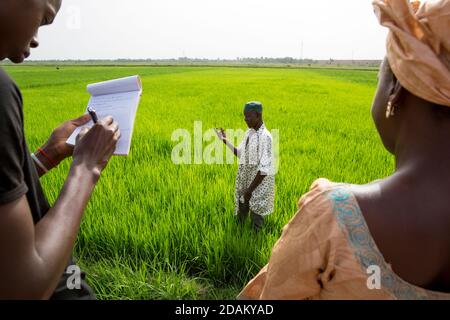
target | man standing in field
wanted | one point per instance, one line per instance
(255, 182)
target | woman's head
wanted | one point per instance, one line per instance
(19, 24)
(387, 88)
(414, 80)
(394, 108)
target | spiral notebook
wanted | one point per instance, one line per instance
(118, 98)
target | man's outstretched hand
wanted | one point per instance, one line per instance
(221, 134)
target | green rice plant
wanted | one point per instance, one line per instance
(156, 230)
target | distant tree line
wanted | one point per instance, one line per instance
(240, 61)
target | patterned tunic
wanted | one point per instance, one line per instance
(256, 155)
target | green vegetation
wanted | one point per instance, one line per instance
(154, 230)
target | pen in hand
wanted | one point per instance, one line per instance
(93, 114)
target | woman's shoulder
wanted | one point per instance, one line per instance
(323, 190)
(320, 205)
(334, 203)
(330, 209)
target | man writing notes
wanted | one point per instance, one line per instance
(255, 182)
(37, 239)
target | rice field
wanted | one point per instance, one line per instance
(156, 230)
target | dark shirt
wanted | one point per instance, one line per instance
(18, 174)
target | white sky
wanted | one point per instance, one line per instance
(111, 29)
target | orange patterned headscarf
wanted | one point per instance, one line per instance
(418, 46)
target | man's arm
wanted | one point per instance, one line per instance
(264, 166)
(230, 146)
(222, 136)
(255, 183)
(44, 160)
(56, 149)
(33, 257)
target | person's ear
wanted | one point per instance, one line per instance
(396, 93)
(395, 98)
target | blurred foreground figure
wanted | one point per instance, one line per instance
(37, 239)
(389, 239)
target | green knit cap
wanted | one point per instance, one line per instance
(253, 106)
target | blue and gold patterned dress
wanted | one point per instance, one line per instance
(327, 252)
